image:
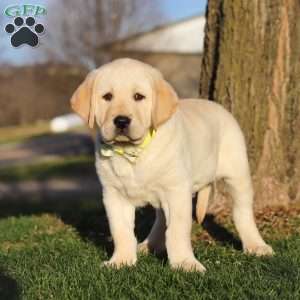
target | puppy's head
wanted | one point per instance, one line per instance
(126, 98)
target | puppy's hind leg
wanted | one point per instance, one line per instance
(156, 241)
(243, 216)
(234, 168)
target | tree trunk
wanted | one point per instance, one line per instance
(251, 65)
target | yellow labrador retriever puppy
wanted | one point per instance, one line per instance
(156, 149)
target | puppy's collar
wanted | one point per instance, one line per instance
(131, 153)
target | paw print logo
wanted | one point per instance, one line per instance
(24, 33)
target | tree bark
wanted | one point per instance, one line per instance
(251, 65)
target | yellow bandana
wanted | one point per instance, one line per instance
(129, 152)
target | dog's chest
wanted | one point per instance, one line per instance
(134, 181)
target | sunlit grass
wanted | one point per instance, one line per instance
(54, 250)
(59, 256)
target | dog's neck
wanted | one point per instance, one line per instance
(129, 151)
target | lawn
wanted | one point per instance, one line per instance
(55, 250)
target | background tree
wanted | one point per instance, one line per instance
(77, 31)
(72, 32)
(251, 65)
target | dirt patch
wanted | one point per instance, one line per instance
(273, 222)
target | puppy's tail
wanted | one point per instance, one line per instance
(203, 198)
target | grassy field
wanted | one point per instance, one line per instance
(55, 252)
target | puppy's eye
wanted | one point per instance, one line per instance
(138, 97)
(107, 97)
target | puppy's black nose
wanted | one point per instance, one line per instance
(122, 122)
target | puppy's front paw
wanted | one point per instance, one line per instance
(260, 250)
(119, 262)
(189, 265)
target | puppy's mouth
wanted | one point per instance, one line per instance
(121, 134)
(122, 137)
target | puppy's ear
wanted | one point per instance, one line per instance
(82, 101)
(165, 103)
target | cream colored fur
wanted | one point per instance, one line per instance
(196, 143)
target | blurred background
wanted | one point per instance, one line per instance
(81, 35)
(39, 164)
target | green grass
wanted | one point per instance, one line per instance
(71, 166)
(54, 250)
(58, 255)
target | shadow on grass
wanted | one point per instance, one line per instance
(220, 233)
(217, 231)
(9, 289)
(88, 217)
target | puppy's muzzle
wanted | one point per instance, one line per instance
(122, 122)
